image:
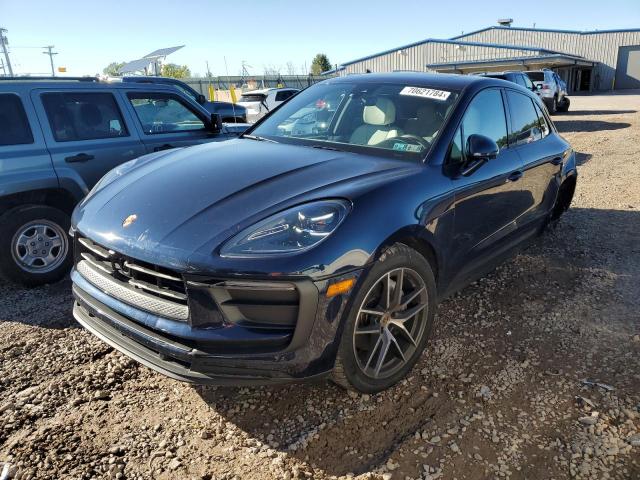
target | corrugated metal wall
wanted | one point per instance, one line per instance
(601, 47)
(415, 58)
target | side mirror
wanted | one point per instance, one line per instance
(201, 99)
(479, 150)
(216, 123)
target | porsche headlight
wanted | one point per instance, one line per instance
(293, 230)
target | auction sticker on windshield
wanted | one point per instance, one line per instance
(425, 93)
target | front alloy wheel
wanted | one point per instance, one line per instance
(389, 324)
(390, 321)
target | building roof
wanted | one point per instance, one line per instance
(551, 30)
(456, 40)
(453, 42)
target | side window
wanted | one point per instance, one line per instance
(519, 80)
(83, 116)
(524, 120)
(14, 126)
(544, 124)
(164, 113)
(485, 116)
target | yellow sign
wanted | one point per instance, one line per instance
(62, 69)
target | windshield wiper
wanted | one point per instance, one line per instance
(258, 138)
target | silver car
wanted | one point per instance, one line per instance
(551, 89)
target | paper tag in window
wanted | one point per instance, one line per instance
(425, 93)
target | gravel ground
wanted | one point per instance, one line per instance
(500, 393)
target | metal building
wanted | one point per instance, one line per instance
(597, 60)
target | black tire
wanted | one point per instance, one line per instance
(19, 223)
(348, 371)
(563, 106)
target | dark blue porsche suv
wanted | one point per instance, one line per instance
(321, 241)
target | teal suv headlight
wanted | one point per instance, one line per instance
(293, 230)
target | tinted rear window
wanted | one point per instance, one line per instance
(501, 77)
(14, 126)
(536, 76)
(282, 96)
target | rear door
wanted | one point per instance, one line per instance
(166, 120)
(541, 154)
(85, 132)
(23, 154)
(487, 202)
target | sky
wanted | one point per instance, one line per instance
(281, 35)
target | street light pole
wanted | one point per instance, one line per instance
(51, 54)
(3, 43)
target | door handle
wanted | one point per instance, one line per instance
(557, 161)
(515, 176)
(166, 146)
(81, 157)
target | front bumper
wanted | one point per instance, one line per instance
(212, 346)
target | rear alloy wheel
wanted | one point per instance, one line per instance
(389, 325)
(554, 106)
(36, 245)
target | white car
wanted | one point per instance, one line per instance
(260, 102)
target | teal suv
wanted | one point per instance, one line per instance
(58, 137)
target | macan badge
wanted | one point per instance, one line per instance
(129, 220)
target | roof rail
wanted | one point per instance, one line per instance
(76, 79)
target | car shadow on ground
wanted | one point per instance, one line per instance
(566, 257)
(595, 112)
(582, 158)
(565, 126)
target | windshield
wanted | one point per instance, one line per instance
(398, 120)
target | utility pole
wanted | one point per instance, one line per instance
(4, 42)
(51, 54)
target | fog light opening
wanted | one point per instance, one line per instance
(338, 288)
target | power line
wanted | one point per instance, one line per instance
(3, 44)
(51, 54)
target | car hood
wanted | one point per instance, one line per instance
(187, 202)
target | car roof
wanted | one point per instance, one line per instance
(73, 84)
(418, 79)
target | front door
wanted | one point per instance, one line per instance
(488, 201)
(87, 135)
